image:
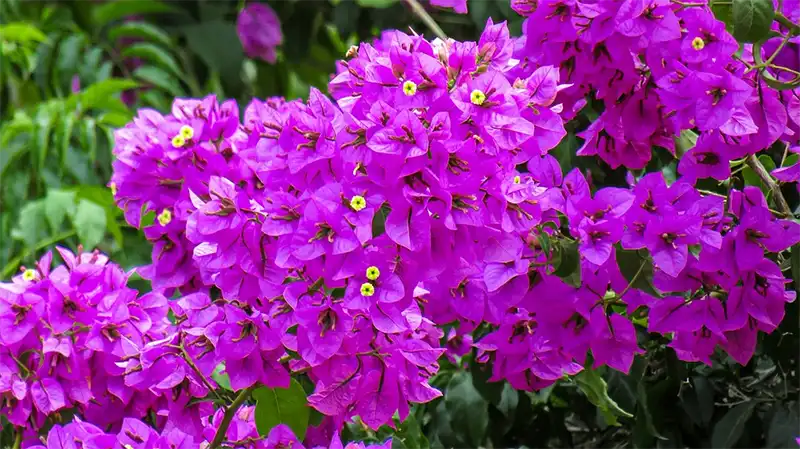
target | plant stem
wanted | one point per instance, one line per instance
(766, 178)
(633, 280)
(783, 43)
(230, 411)
(426, 18)
(783, 20)
(709, 192)
(17, 439)
(189, 361)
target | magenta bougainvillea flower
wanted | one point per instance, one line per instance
(458, 6)
(259, 30)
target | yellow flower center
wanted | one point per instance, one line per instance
(477, 97)
(367, 289)
(187, 132)
(29, 275)
(165, 217)
(698, 43)
(373, 273)
(113, 187)
(178, 141)
(358, 202)
(409, 88)
(517, 179)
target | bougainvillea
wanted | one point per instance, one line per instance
(135, 433)
(259, 30)
(339, 240)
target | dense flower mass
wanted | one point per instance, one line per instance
(335, 239)
(659, 68)
(63, 333)
(344, 232)
(136, 434)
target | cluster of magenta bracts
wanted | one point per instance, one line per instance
(343, 233)
(64, 331)
(659, 68)
(139, 435)
(334, 239)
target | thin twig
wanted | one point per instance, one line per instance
(189, 361)
(766, 178)
(783, 20)
(785, 154)
(230, 411)
(426, 18)
(709, 192)
(17, 439)
(633, 280)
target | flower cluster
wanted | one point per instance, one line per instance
(659, 67)
(139, 435)
(333, 239)
(63, 333)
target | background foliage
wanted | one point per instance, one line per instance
(72, 72)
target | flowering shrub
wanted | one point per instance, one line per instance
(352, 243)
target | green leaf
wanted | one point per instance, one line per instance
(57, 205)
(160, 79)
(685, 142)
(643, 409)
(698, 400)
(545, 242)
(409, 435)
(282, 406)
(90, 223)
(115, 119)
(795, 264)
(509, 400)
(67, 125)
(45, 121)
(566, 149)
(467, 409)
(723, 11)
(568, 267)
(767, 162)
(596, 390)
(782, 429)
(32, 225)
(88, 137)
(154, 54)
(217, 44)
(102, 196)
(480, 374)
(630, 262)
(752, 19)
(21, 33)
(141, 30)
(115, 10)
(623, 387)
(376, 3)
(101, 95)
(221, 378)
(379, 220)
(729, 429)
